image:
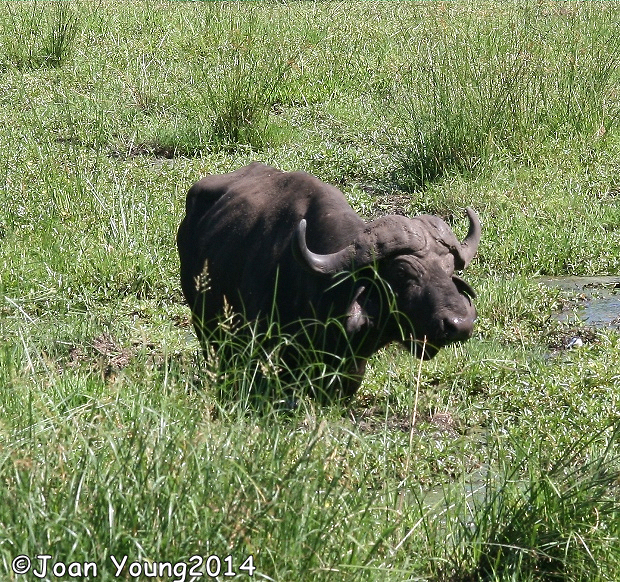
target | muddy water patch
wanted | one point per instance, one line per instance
(593, 300)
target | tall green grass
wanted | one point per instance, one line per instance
(512, 82)
(240, 76)
(535, 519)
(135, 467)
(39, 34)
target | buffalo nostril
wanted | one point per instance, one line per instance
(458, 328)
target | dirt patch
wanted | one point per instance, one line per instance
(571, 338)
(108, 347)
(384, 203)
(161, 153)
(104, 353)
(373, 419)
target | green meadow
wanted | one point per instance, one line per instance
(121, 456)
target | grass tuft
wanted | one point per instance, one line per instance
(38, 35)
(484, 85)
(240, 74)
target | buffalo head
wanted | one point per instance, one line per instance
(414, 296)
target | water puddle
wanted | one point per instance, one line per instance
(593, 300)
(473, 489)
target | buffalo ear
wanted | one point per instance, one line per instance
(357, 317)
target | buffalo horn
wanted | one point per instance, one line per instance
(469, 246)
(323, 264)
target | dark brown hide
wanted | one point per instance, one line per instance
(272, 243)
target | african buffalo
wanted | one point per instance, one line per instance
(283, 246)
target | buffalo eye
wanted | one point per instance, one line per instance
(400, 273)
(402, 280)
